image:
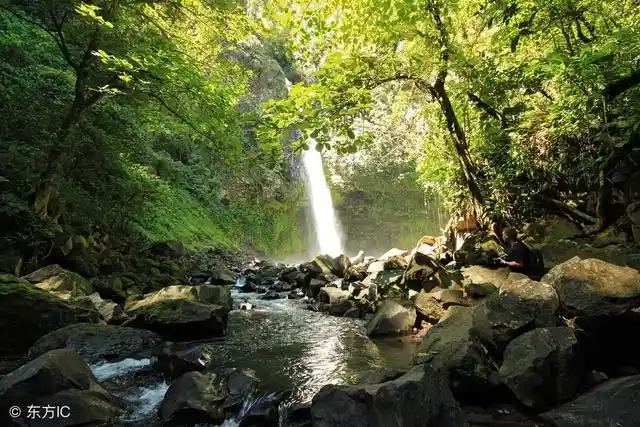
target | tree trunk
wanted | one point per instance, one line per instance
(439, 92)
(57, 162)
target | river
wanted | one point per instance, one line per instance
(280, 342)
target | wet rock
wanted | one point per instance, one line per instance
(264, 412)
(271, 295)
(381, 375)
(32, 313)
(314, 287)
(239, 384)
(299, 415)
(56, 278)
(552, 228)
(353, 313)
(222, 276)
(194, 398)
(612, 403)
(109, 311)
(418, 398)
(334, 301)
(58, 378)
(281, 286)
(181, 320)
(449, 297)
(95, 343)
(175, 359)
(543, 367)
(429, 307)
(520, 306)
(391, 319)
(592, 287)
(296, 294)
(451, 346)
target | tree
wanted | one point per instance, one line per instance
(167, 52)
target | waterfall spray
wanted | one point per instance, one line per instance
(323, 213)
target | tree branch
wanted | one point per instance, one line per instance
(179, 116)
(484, 106)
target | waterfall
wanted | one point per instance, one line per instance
(323, 213)
(324, 216)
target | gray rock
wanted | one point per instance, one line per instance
(391, 319)
(195, 398)
(31, 313)
(57, 378)
(56, 278)
(223, 277)
(417, 399)
(109, 311)
(592, 287)
(95, 342)
(612, 403)
(543, 367)
(176, 359)
(451, 346)
(520, 306)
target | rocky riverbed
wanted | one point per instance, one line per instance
(324, 343)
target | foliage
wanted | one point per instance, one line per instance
(542, 93)
(163, 152)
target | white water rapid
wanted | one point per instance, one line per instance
(323, 214)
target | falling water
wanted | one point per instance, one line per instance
(323, 214)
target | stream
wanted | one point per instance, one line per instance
(281, 343)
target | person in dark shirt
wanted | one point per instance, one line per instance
(518, 255)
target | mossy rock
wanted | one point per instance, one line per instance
(33, 312)
(182, 320)
(55, 278)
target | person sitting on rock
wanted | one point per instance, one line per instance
(497, 230)
(518, 255)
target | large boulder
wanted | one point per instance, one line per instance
(552, 228)
(451, 347)
(175, 359)
(223, 277)
(418, 398)
(481, 281)
(27, 313)
(58, 378)
(195, 398)
(612, 403)
(56, 278)
(335, 300)
(543, 367)
(521, 305)
(205, 294)
(111, 287)
(392, 319)
(95, 342)
(265, 411)
(592, 287)
(181, 320)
